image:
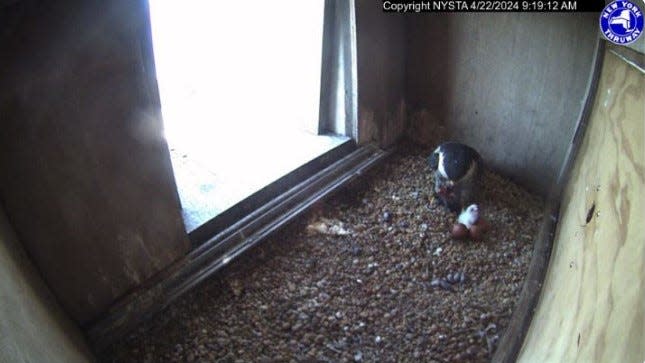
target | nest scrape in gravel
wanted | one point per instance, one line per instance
(375, 277)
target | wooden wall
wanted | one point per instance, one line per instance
(85, 174)
(380, 43)
(33, 327)
(592, 307)
(511, 85)
(87, 182)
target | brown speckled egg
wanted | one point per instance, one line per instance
(459, 231)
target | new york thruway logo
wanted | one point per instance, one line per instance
(621, 22)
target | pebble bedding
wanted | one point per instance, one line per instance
(371, 274)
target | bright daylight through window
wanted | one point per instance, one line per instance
(240, 87)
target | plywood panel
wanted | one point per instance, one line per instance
(592, 308)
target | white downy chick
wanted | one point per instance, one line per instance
(469, 216)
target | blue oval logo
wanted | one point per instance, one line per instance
(621, 22)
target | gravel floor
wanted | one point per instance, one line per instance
(370, 275)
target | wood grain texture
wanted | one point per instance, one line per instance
(592, 307)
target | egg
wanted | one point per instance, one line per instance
(483, 224)
(477, 232)
(459, 231)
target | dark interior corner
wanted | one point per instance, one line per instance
(87, 184)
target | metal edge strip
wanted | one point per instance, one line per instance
(190, 271)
